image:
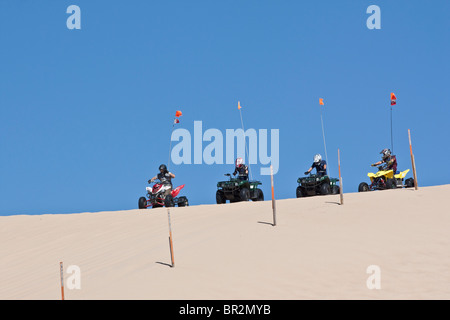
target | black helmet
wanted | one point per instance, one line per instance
(163, 168)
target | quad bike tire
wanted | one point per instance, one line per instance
(259, 195)
(244, 194)
(325, 189)
(391, 184)
(363, 187)
(168, 201)
(220, 197)
(409, 183)
(335, 189)
(183, 202)
(300, 193)
(142, 203)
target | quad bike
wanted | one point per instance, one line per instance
(386, 179)
(315, 184)
(237, 189)
(156, 197)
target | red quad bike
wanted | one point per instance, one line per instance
(156, 197)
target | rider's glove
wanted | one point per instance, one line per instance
(306, 172)
(150, 181)
(373, 165)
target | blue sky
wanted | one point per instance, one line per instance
(86, 115)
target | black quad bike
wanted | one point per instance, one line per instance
(316, 185)
(236, 189)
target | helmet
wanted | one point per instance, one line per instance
(386, 153)
(239, 162)
(163, 168)
(317, 158)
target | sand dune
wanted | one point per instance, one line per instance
(318, 250)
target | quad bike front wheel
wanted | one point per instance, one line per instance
(363, 187)
(142, 203)
(220, 197)
(300, 192)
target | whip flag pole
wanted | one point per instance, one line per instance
(245, 141)
(175, 121)
(393, 103)
(323, 134)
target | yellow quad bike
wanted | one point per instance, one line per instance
(386, 179)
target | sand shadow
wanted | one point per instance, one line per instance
(164, 264)
(263, 222)
(332, 202)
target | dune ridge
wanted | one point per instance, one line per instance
(318, 250)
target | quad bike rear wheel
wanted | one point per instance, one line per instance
(244, 194)
(168, 201)
(335, 189)
(183, 202)
(259, 195)
(391, 184)
(409, 183)
(325, 189)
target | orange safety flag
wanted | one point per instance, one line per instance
(239, 105)
(393, 99)
(321, 101)
(178, 113)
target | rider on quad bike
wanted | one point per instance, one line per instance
(242, 169)
(319, 164)
(389, 159)
(165, 177)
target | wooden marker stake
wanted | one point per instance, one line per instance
(413, 163)
(61, 271)
(274, 206)
(170, 240)
(341, 191)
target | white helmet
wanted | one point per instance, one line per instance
(386, 153)
(239, 162)
(317, 158)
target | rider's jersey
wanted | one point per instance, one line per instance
(242, 170)
(165, 177)
(320, 167)
(391, 163)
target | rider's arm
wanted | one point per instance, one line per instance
(153, 179)
(171, 175)
(377, 163)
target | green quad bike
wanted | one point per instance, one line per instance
(314, 184)
(238, 190)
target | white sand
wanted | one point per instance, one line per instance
(318, 250)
